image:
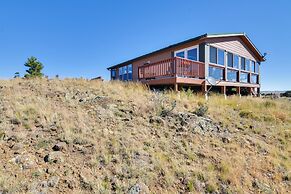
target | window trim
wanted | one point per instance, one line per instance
(185, 50)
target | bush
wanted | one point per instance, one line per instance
(201, 110)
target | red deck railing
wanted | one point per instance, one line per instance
(173, 67)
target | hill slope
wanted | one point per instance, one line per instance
(78, 136)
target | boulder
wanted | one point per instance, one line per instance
(139, 188)
(54, 157)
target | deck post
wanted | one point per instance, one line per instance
(223, 91)
(204, 89)
(176, 86)
(238, 91)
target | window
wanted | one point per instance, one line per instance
(253, 65)
(220, 57)
(120, 73)
(257, 67)
(236, 61)
(232, 75)
(254, 79)
(180, 54)
(213, 55)
(129, 69)
(216, 73)
(192, 54)
(244, 77)
(113, 74)
(247, 65)
(229, 59)
(242, 63)
(125, 72)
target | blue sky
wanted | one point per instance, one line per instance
(80, 38)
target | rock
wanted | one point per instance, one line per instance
(17, 146)
(60, 146)
(53, 181)
(156, 119)
(139, 188)
(55, 157)
(25, 161)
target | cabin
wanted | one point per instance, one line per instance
(231, 59)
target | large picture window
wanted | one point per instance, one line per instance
(216, 73)
(190, 53)
(244, 77)
(232, 75)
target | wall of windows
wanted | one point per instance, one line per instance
(216, 73)
(232, 60)
(244, 77)
(190, 53)
(125, 72)
(232, 75)
(216, 56)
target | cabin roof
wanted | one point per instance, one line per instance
(244, 37)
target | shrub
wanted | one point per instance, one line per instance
(201, 110)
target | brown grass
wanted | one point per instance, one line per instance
(126, 148)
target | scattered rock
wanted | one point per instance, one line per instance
(53, 181)
(60, 146)
(55, 157)
(17, 146)
(25, 161)
(139, 188)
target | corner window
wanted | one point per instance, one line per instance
(257, 67)
(113, 74)
(216, 73)
(254, 79)
(229, 59)
(125, 72)
(213, 55)
(253, 65)
(232, 75)
(244, 77)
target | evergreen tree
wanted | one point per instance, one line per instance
(34, 68)
(16, 75)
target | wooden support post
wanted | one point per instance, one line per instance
(223, 91)
(238, 91)
(204, 89)
(176, 87)
(250, 91)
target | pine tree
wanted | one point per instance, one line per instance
(34, 68)
(16, 75)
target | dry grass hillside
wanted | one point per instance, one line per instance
(78, 136)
